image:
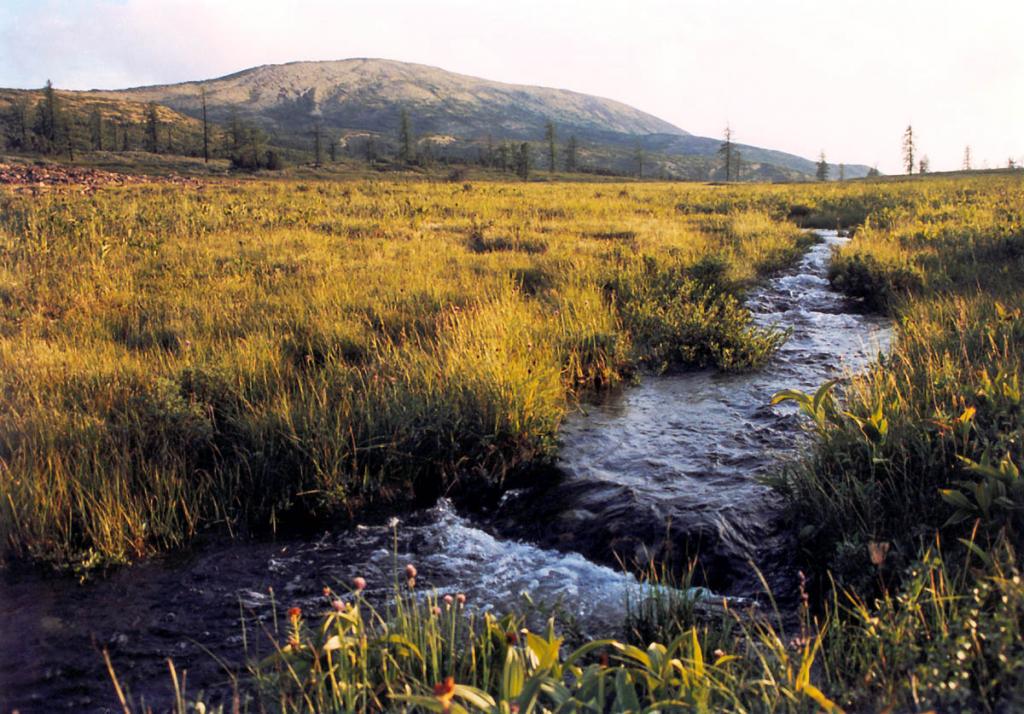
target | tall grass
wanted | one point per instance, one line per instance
(255, 355)
(242, 354)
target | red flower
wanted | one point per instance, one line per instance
(445, 691)
(295, 613)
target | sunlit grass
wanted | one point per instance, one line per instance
(242, 356)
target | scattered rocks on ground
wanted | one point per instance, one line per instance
(36, 178)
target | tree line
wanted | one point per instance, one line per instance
(51, 125)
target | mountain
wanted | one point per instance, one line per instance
(367, 94)
(358, 102)
(359, 99)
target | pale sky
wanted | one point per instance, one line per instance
(844, 76)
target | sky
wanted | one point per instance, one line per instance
(840, 76)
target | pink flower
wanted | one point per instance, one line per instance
(359, 583)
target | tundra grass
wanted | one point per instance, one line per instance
(225, 338)
(241, 356)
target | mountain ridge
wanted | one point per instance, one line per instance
(357, 103)
(363, 93)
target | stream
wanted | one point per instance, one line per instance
(662, 470)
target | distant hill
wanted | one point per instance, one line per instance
(356, 106)
(357, 99)
(368, 94)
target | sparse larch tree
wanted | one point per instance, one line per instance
(489, 158)
(523, 162)
(19, 134)
(571, 149)
(504, 156)
(638, 158)
(842, 172)
(549, 136)
(96, 130)
(405, 150)
(822, 169)
(726, 152)
(152, 129)
(908, 149)
(206, 126)
(924, 165)
(967, 158)
(48, 120)
(317, 145)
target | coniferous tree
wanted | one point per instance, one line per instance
(370, 149)
(489, 157)
(737, 164)
(96, 130)
(68, 134)
(549, 136)
(206, 126)
(405, 150)
(823, 169)
(725, 150)
(234, 136)
(48, 120)
(504, 156)
(967, 158)
(638, 159)
(923, 166)
(523, 162)
(332, 150)
(842, 172)
(873, 172)
(426, 155)
(570, 154)
(20, 134)
(908, 149)
(317, 145)
(152, 129)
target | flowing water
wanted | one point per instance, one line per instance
(661, 470)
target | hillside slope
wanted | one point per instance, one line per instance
(355, 98)
(97, 122)
(368, 94)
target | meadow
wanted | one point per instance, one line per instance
(242, 357)
(245, 357)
